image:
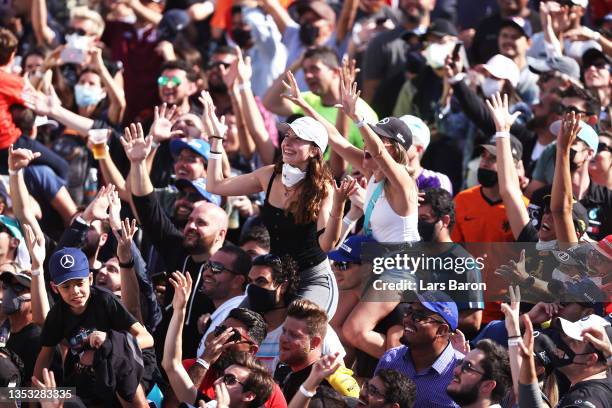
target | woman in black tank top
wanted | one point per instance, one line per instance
(303, 208)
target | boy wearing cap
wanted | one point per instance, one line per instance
(83, 320)
(427, 357)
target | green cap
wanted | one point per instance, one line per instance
(12, 225)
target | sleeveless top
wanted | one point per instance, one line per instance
(300, 241)
(385, 224)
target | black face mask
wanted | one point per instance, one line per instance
(261, 300)
(308, 34)
(487, 178)
(427, 230)
(243, 38)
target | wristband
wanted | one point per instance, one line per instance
(129, 264)
(500, 135)
(154, 144)
(215, 156)
(35, 272)
(596, 36)
(514, 337)
(346, 220)
(457, 78)
(203, 363)
(216, 137)
(514, 342)
(305, 392)
(15, 172)
(360, 123)
(243, 87)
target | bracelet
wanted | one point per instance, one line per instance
(514, 337)
(243, 87)
(215, 156)
(500, 135)
(514, 342)
(35, 272)
(305, 392)
(203, 363)
(15, 172)
(347, 221)
(216, 137)
(129, 264)
(361, 123)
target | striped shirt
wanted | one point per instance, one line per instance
(430, 383)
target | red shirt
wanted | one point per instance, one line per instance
(11, 88)
(276, 400)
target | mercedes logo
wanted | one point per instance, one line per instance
(67, 261)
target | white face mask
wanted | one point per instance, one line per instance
(547, 245)
(490, 86)
(292, 175)
(435, 54)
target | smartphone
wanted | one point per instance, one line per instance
(455, 55)
(158, 279)
(71, 55)
(221, 328)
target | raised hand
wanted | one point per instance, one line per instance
(349, 95)
(598, 337)
(344, 190)
(570, 126)
(48, 383)
(498, 107)
(357, 196)
(512, 311)
(124, 244)
(182, 289)
(292, 91)
(229, 74)
(20, 158)
(114, 211)
(40, 103)
(163, 118)
(245, 71)
(452, 67)
(459, 342)
(36, 247)
(543, 312)
(526, 346)
(326, 366)
(212, 125)
(215, 345)
(514, 272)
(136, 146)
(95, 55)
(98, 208)
(221, 394)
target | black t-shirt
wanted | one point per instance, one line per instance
(104, 312)
(291, 384)
(26, 344)
(589, 394)
(598, 202)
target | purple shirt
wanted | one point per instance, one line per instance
(430, 383)
(431, 179)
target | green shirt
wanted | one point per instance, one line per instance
(329, 113)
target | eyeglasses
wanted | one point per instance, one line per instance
(421, 317)
(217, 267)
(604, 148)
(164, 80)
(77, 31)
(343, 266)
(371, 390)
(466, 366)
(231, 379)
(217, 64)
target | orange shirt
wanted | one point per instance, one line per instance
(11, 88)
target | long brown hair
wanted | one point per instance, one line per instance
(313, 190)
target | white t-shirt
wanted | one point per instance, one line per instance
(219, 316)
(269, 350)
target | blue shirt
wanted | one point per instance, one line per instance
(430, 383)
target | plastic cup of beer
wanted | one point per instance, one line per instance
(98, 138)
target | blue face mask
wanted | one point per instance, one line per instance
(87, 96)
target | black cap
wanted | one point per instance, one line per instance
(564, 65)
(515, 23)
(516, 147)
(591, 55)
(441, 27)
(172, 23)
(394, 129)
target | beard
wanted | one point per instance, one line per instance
(413, 19)
(464, 397)
(195, 247)
(217, 87)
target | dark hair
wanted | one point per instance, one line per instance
(34, 51)
(258, 233)
(441, 203)
(23, 118)
(496, 366)
(242, 263)
(224, 49)
(8, 45)
(513, 96)
(399, 389)
(324, 54)
(255, 324)
(314, 316)
(183, 66)
(259, 381)
(592, 103)
(284, 269)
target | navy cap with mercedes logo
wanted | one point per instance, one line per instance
(68, 263)
(394, 129)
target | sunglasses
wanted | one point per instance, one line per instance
(164, 80)
(343, 266)
(217, 64)
(217, 268)
(571, 108)
(604, 148)
(77, 31)
(466, 366)
(231, 379)
(421, 317)
(598, 65)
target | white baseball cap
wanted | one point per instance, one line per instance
(574, 329)
(503, 68)
(420, 131)
(309, 129)
(581, 3)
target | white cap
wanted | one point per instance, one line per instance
(309, 129)
(574, 329)
(581, 3)
(503, 68)
(420, 131)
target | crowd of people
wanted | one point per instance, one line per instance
(306, 203)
